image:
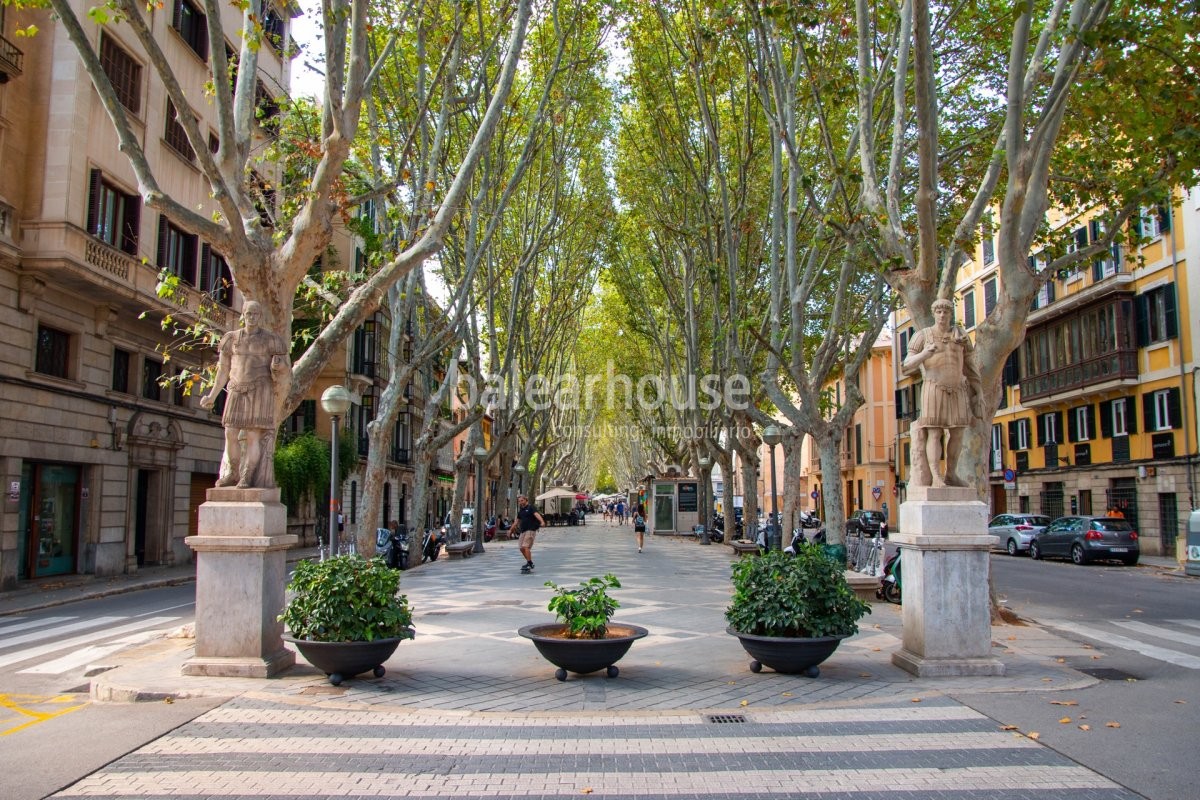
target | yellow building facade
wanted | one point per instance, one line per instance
(1098, 409)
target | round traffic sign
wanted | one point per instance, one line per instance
(1010, 475)
(813, 494)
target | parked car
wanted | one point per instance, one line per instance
(1016, 531)
(1088, 538)
(867, 522)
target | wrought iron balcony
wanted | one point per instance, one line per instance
(1117, 365)
(10, 60)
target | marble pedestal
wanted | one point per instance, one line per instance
(241, 576)
(947, 615)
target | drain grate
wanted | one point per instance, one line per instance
(725, 718)
(1108, 674)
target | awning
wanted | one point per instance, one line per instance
(556, 493)
(581, 497)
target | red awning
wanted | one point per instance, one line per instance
(581, 497)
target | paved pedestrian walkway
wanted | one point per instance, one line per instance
(469, 709)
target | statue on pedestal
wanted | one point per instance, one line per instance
(950, 397)
(252, 359)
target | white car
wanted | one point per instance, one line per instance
(1015, 531)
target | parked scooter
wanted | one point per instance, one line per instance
(431, 544)
(392, 546)
(798, 538)
(889, 584)
(809, 519)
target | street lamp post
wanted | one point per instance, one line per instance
(336, 402)
(772, 436)
(481, 454)
(705, 482)
(520, 470)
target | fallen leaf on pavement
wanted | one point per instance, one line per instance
(1008, 727)
(1061, 660)
(787, 694)
(1065, 721)
(864, 675)
(1085, 727)
(1097, 658)
(1064, 702)
(1181, 702)
(1012, 638)
(1087, 647)
(586, 790)
(745, 703)
(1112, 724)
(916, 700)
(1034, 735)
(1047, 680)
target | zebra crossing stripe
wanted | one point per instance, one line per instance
(685, 745)
(1191, 623)
(79, 641)
(5, 630)
(1124, 642)
(58, 630)
(1161, 633)
(781, 783)
(86, 655)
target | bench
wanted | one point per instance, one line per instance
(744, 548)
(460, 549)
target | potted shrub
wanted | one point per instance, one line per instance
(346, 615)
(584, 639)
(791, 612)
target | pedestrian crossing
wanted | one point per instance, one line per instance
(256, 748)
(55, 645)
(1174, 641)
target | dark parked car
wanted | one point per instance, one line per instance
(1016, 531)
(866, 522)
(1084, 539)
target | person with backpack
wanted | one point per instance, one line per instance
(527, 522)
(639, 525)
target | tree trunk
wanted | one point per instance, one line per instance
(829, 448)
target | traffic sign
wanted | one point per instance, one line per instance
(1010, 476)
(814, 494)
(876, 492)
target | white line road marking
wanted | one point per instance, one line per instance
(1160, 633)
(50, 633)
(86, 655)
(1115, 640)
(34, 652)
(5, 630)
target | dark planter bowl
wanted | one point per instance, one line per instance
(787, 655)
(341, 660)
(582, 656)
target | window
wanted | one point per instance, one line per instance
(152, 372)
(858, 444)
(266, 108)
(1048, 425)
(1163, 411)
(969, 309)
(1152, 222)
(192, 27)
(175, 136)
(216, 280)
(997, 448)
(114, 217)
(273, 28)
(1118, 417)
(120, 370)
(989, 243)
(304, 418)
(1157, 315)
(1104, 266)
(1018, 434)
(1080, 424)
(989, 296)
(53, 352)
(177, 251)
(124, 73)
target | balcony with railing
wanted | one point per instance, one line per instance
(82, 262)
(10, 60)
(1119, 365)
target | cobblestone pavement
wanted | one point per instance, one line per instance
(469, 709)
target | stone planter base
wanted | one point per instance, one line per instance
(790, 656)
(341, 660)
(582, 656)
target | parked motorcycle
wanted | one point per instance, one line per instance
(392, 546)
(431, 544)
(889, 584)
(809, 519)
(798, 538)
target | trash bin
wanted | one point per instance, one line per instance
(1193, 544)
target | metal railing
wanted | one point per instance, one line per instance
(1110, 366)
(10, 60)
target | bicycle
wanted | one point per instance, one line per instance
(871, 559)
(853, 545)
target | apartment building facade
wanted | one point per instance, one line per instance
(868, 469)
(1098, 409)
(103, 463)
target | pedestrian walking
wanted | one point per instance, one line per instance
(527, 522)
(639, 526)
(621, 513)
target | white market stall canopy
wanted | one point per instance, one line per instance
(555, 494)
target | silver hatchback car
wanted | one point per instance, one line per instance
(1088, 538)
(1016, 531)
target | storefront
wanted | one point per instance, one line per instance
(48, 519)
